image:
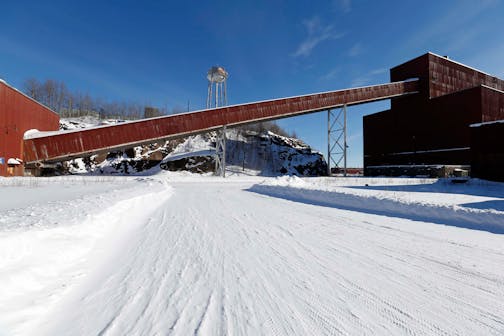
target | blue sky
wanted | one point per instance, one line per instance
(158, 52)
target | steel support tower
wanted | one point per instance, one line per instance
(220, 152)
(337, 139)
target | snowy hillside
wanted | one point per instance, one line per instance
(257, 153)
(186, 254)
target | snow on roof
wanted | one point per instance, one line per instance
(491, 88)
(487, 123)
(12, 161)
(30, 132)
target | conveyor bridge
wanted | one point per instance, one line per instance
(65, 145)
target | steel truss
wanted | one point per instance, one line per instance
(337, 139)
(220, 152)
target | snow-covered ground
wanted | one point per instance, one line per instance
(183, 254)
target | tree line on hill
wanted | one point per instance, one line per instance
(55, 95)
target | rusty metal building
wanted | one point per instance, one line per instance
(433, 102)
(487, 149)
(432, 127)
(18, 114)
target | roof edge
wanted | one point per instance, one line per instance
(2, 81)
(450, 60)
(411, 60)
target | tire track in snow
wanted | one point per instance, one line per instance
(218, 260)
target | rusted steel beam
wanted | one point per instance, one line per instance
(71, 144)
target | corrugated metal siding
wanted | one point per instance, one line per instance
(74, 144)
(487, 152)
(415, 68)
(430, 125)
(18, 113)
(448, 119)
(440, 75)
(376, 126)
(492, 104)
(3, 131)
(452, 98)
(447, 76)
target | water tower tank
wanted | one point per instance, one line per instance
(217, 95)
(217, 74)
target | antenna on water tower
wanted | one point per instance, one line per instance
(217, 95)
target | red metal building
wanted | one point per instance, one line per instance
(428, 123)
(18, 114)
(487, 149)
(432, 127)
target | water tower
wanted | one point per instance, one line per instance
(217, 95)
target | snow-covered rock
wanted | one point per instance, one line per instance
(263, 153)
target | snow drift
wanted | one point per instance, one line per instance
(391, 205)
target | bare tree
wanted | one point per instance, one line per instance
(32, 88)
(61, 96)
(178, 109)
(151, 112)
(55, 95)
(49, 89)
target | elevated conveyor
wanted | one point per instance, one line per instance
(65, 145)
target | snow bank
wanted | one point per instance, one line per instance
(287, 181)
(193, 144)
(213, 259)
(175, 157)
(430, 207)
(48, 247)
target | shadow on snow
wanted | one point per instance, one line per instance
(457, 216)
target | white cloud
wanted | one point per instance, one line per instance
(488, 60)
(360, 81)
(331, 74)
(367, 78)
(454, 28)
(317, 33)
(354, 136)
(355, 50)
(378, 71)
(344, 5)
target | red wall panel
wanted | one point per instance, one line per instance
(487, 149)
(435, 125)
(420, 129)
(19, 113)
(447, 76)
(493, 104)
